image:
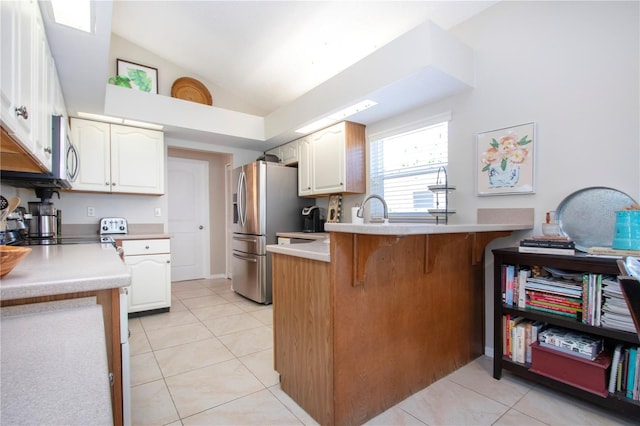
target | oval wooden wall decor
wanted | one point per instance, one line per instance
(190, 89)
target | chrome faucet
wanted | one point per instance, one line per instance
(360, 212)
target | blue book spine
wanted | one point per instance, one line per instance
(510, 277)
(631, 374)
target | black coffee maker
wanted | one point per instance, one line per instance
(313, 220)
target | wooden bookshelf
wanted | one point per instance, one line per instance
(579, 263)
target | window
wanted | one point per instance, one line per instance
(403, 163)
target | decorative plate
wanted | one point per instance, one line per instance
(441, 211)
(190, 89)
(437, 188)
(588, 216)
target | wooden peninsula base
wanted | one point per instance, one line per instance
(386, 317)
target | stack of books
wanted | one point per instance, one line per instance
(615, 311)
(547, 245)
(560, 297)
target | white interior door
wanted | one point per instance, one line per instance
(188, 218)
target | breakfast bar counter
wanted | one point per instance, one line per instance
(394, 309)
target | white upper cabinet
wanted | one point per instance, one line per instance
(118, 159)
(287, 153)
(27, 77)
(137, 160)
(332, 161)
(17, 50)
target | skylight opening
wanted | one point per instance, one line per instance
(73, 13)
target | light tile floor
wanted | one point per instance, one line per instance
(210, 362)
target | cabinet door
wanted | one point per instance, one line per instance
(328, 156)
(137, 160)
(92, 139)
(9, 46)
(304, 166)
(289, 153)
(17, 49)
(42, 76)
(150, 282)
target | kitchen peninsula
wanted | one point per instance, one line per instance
(377, 314)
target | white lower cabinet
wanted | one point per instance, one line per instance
(150, 265)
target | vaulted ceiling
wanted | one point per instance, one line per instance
(267, 53)
(271, 52)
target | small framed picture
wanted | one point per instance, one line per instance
(140, 77)
(505, 161)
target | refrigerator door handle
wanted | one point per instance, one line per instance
(245, 258)
(242, 198)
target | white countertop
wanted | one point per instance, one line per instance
(54, 368)
(314, 250)
(319, 250)
(419, 228)
(61, 269)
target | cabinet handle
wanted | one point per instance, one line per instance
(106, 183)
(146, 247)
(22, 112)
(200, 227)
(48, 150)
(168, 261)
(113, 184)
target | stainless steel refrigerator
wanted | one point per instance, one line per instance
(265, 201)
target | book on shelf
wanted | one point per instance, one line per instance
(508, 342)
(523, 274)
(615, 311)
(547, 250)
(538, 242)
(558, 288)
(580, 344)
(608, 251)
(614, 368)
(553, 311)
(631, 372)
(531, 335)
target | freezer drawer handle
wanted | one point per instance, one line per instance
(248, 259)
(249, 239)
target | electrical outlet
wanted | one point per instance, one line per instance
(157, 212)
(91, 211)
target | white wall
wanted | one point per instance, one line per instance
(570, 67)
(168, 72)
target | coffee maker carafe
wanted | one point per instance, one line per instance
(44, 220)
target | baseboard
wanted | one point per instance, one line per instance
(488, 351)
(217, 276)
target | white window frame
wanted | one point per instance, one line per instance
(374, 208)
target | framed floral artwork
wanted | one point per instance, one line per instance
(505, 161)
(136, 76)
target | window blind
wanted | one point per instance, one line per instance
(403, 165)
